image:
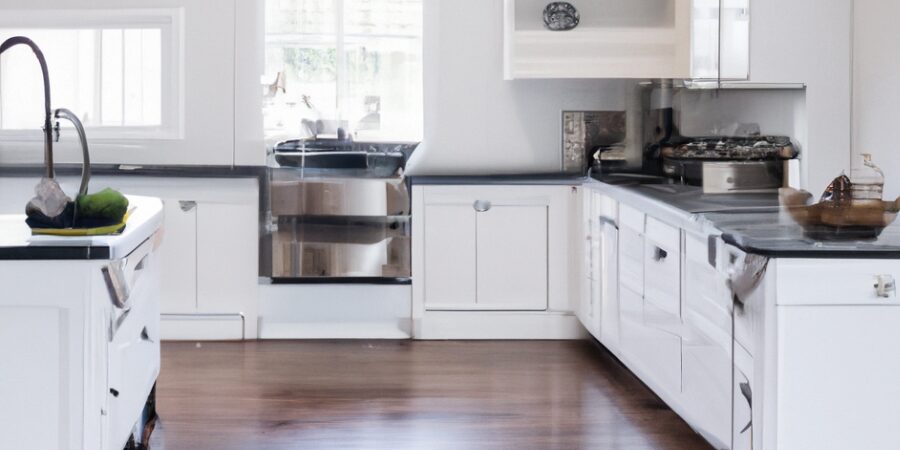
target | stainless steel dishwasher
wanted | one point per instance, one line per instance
(337, 214)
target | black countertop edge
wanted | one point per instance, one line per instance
(525, 178)
(344, 280)
(139, 170)
(812, 254)
(54, 253)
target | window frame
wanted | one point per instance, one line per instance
(170, 21)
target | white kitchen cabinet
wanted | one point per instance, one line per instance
(498, 246)
(707, 343)
(179, 292)
(80, 359)
(631, 249)
(634, 39)
(492, 261)
(226, 285)
(512, 257)
(662, 267)
(588, 309)
(649, 298)
(450, 255)
(837, 353)
(598, 309)
(608, 278)
(211, 261)
(210, 264)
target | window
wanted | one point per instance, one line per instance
(354, 64)
(119, 72)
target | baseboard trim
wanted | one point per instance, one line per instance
(471, 325)
(337, 330)
(203, 327)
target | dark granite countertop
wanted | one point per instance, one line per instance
(774, 234)
(500, 179)
(755, 223)
(30, 170)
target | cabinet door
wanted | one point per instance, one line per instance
(227, 258)
(654, 354)
(734, 39)
(450, 260)
(178, 292)
(837, 373)
(589, 307)
(706, 355)
(662, 266)
(512, 258)
(742, 399)
(609, 285)
(631, 259)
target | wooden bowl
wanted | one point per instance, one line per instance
(838, 220)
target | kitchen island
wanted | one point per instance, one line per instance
(79, 333)
(758, 335)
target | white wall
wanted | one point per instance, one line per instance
(809, 41)
(876, 86)
(477, 123)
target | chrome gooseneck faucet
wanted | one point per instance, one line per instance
(48, 128)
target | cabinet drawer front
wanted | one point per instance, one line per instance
(655, 353)
(662, 274)
(707, 303)
(847, 282)
(606, 207)
(631, 260)
(667, 235)
(631, 218)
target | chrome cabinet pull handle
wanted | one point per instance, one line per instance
(660, 254)
(748, 395)
(482, 205)
(885, 286)
(187, 205)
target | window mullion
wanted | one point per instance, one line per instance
(98, 78)
(340, 62)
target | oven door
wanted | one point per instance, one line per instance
(337, 229)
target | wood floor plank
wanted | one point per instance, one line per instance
(407, 395)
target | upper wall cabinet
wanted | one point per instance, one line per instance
(685, 39)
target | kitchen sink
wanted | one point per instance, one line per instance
(344, 158)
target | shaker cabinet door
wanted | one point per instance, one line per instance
(512, 258)
(178, 292)
(227, 258)
(449, 276)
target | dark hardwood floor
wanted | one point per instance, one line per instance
(407, 395)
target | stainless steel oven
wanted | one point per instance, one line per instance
(336, 225)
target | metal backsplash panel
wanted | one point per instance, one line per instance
(584, 132)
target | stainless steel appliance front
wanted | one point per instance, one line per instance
(332, 229)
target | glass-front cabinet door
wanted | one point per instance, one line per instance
(684, 39)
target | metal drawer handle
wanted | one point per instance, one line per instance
(886, 286)
(116, 283)
(145, 336)
(748, 395)
(482, 205)
(660, 254)
(187, 205)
